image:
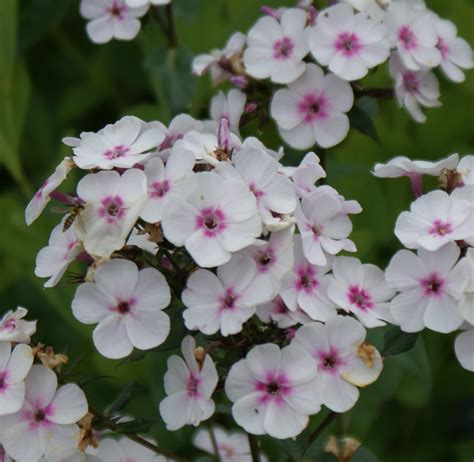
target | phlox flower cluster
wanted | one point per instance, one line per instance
(319, 55)
(434, 275)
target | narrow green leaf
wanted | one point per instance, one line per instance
(397, 341)
(123, 398)
(360, 117)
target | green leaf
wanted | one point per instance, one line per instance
(360, 117)
(124, 397)
(397, 341)
(169, 71)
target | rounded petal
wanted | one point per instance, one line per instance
(464, 347)
(147, 329)
(111, 338)
(69, 405)
(41, 384)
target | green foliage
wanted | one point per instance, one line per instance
(55, 83)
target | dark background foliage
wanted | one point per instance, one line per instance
(54, 82)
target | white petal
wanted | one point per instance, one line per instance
(111, 339)
(69, 405)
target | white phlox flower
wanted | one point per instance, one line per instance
(413, 88)
(305, 287)
(126, 304)
(189, 385)
(52, 261)
(212, 218)
(110, 19)
(223, 302)
(348, 43)
(278, 313)
(273, 391)
(435, 219)
(343, 360)
(466, 304)
(313, 109)
(230, 107)
(361, 290)
(412, 31)
(275, 49)
(307, 174)
(125, 450)
(324, 226)
(42, 197)
(430, 286)
(13, 328)
(46, 423)
(122, 144)
(113, 203)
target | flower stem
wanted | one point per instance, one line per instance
(172, 37)
(215, 447)
(111, 425)
(322, 426)
(254, 449)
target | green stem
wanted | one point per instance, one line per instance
(111, 425)
(322, 426)
(215, 447)
(254, 449)
(172, 37)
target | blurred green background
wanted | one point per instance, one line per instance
(54, 82)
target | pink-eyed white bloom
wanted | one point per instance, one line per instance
(361, 290)
(343, 360)
(224, 302)
(312, 109)
(212, 217)
(403, 166)
(113, 203)
(413, 32)
(122, 144)
(413, 88)
(138, 3)
(110, 19)
(466, 304)
(125, 450)
(324, 226)
(466, 194)
(127, 304)
(274, 257)
(52, 261)
(253, 142)
(277, 312)
(348, 43)
(163, 181)
(42, 197)
(464, 348)
(230, 107)
(189, 385)
(433, 220)
(13, 328)
(348, 206)
(273, 391)
(305, 287)
(307, 174)
(46, 424)
(232, 446)
(273, 191)
(456, 53)
(431, 285)
(466, 169)
(15, 363)
(275, 49)
(211, 62)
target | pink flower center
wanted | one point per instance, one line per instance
(227, 301)
(440, 228)
(124, 307)
(283, 48)
(112, 209)
(38, 417)
(407, 37)
(347, 43)
(258, 194)
(9, 325)
(117, 9)
(226, 452)
(211, 220)
(442, 47)
(3, 378)
(39, 193)
(410, 82)
(274, 388)
(312, 107)
(306, 280)
(116, 152)
(329, 361)
(432, 285)
(359, 297)
(192, 386)
(159, 188)
(265, 260)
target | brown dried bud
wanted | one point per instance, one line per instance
(88, 436)
(343, 449)
(367, 353)
(48, 357)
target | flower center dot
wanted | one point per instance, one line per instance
(123, 307)
(39, 415)
(273, 388)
